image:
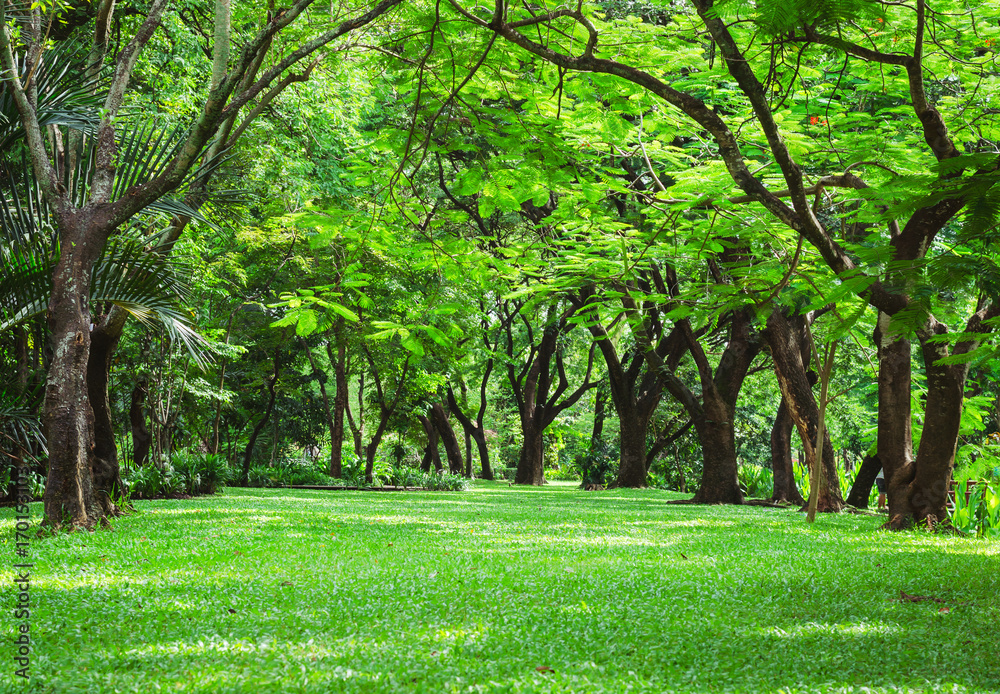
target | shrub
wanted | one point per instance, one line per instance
(980, 515)
(402, 476)
(5, 482)
(290, 471)
(565, 473)
(446, 482)
(504, 473)
(598, 465)
(353, 470)
(262, 476)
(215, 472)
(756, 480)
(186, 471)
(145, 482)
(36, 486)
(201, 473)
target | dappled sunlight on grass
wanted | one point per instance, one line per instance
(848, 630)
(276, 591)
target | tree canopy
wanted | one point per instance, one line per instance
(635, 243)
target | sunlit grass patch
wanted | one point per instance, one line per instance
(311, 591)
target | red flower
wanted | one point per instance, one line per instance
(813, 120)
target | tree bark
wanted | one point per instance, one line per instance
(68, 418)
(340, 396)
(272, 394)
(920, 490)
(530, 467)
(142, 440)
(386, 410)
(329, 413)
(597, 431)
(720, 476)
(861, 490)
(539, 400)
(786, 338)
(782, 467)
(357, 428)
(719, 479)
(633, 425)
(894, 446)
(451, 446)
(635, 388)
(107, 474)
(475, 429)
(431, 452)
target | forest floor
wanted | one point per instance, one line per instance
(500, 589)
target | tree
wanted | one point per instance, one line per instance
(939, 187)
(85, 227)
(541, 383)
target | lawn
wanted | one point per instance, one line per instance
(501, 589)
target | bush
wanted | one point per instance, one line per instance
(262, 476)
(353, 470)
(402, 476)
(446, 482)
(215, 472)
(504, 473)
(290, 471)
(149, 482)
(201, 473)
(36, 486)
(598, 465)
(756, 480)
(980, 515)
(565, 473)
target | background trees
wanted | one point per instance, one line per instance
(469, 226)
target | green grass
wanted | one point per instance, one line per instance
(301, 591)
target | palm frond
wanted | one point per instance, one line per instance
(67, 97)
(150, 286)
(20, 428)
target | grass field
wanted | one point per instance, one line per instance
(501, 590)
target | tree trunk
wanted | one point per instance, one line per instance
(719, 479)
(340, 396)
(272, 394)
(448, 438)
(431, 453)
(713, 417)
(785, 488)
(107, 478)
(632, 460)
(785, 339)
(895, 444)
(861, 490)
(357, 428)
(927, 494)
(479, 436)
(600, 398)
(538, 404)
(68, 419)
(142, 440)
(530, 467)
(475, 429)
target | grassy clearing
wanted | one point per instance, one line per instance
(303, 591)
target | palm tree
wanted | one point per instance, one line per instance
(147, 285)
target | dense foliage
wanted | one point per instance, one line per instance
(603, 243)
